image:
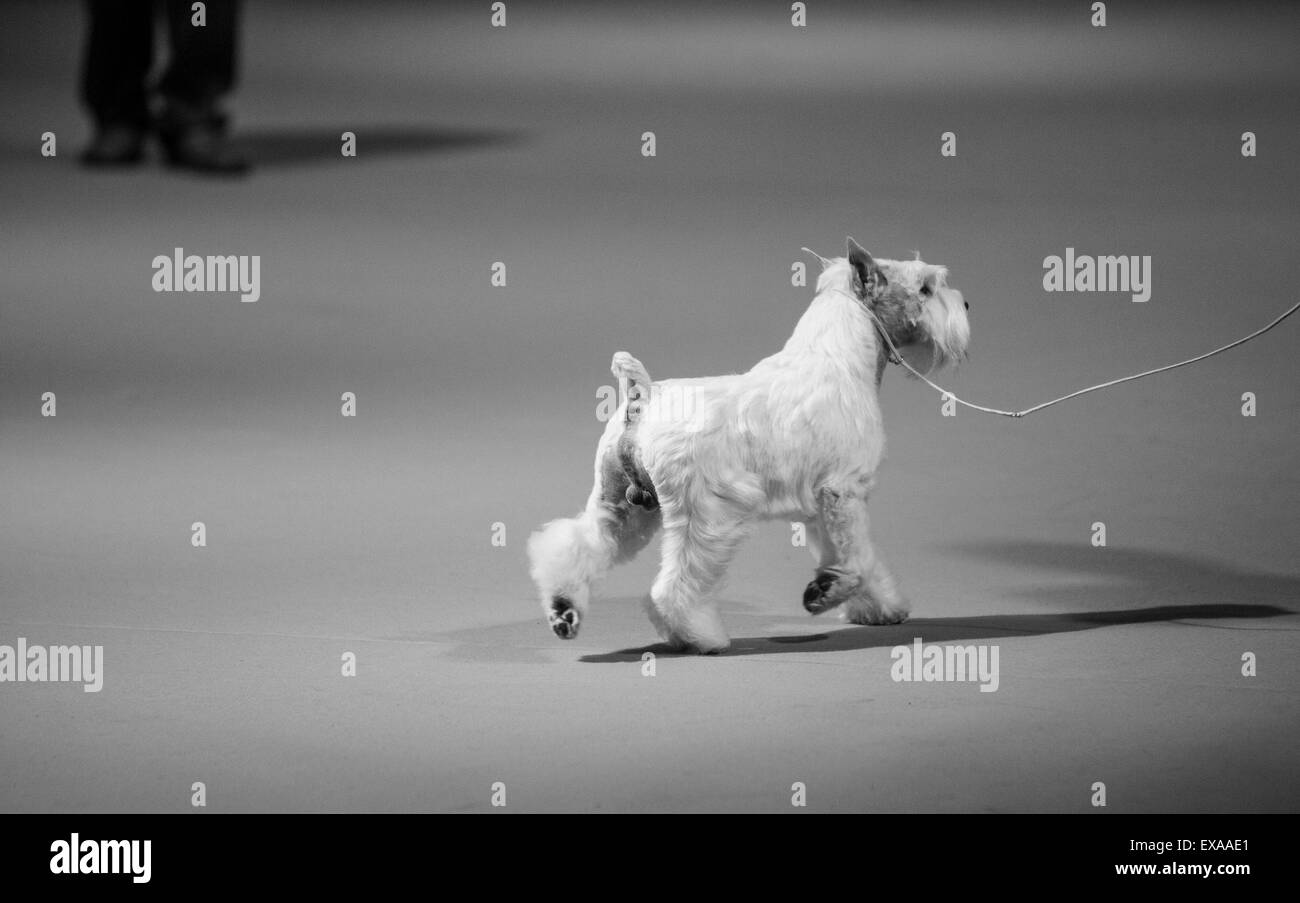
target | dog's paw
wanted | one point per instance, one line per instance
(698, 645)
(564, 618)
(826, 591)
(875, 615)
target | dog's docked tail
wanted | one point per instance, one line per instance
(633, 378)
(634, 385)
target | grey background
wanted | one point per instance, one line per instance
(477, 405)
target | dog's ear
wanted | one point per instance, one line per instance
(868, 279)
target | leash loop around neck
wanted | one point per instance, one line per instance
(898, 359)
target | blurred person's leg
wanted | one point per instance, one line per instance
(119, 53)
(200, 73)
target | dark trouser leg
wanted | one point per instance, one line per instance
(119, 52)
(201, 69)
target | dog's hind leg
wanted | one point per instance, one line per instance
(851, 571)
(694, 559)
(569, 556)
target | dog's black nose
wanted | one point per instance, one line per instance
(967, 303)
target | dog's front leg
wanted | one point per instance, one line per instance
(851, 572)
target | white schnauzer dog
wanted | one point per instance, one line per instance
(798, 437)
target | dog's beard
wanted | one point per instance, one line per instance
(947, 333)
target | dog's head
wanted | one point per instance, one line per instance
(924, 318)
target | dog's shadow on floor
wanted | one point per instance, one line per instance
(274, 148)
(1197, 589)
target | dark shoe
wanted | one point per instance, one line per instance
(197, 142)
(115, 145)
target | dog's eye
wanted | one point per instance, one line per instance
(925, 289)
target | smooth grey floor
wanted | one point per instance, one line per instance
(477, 405)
